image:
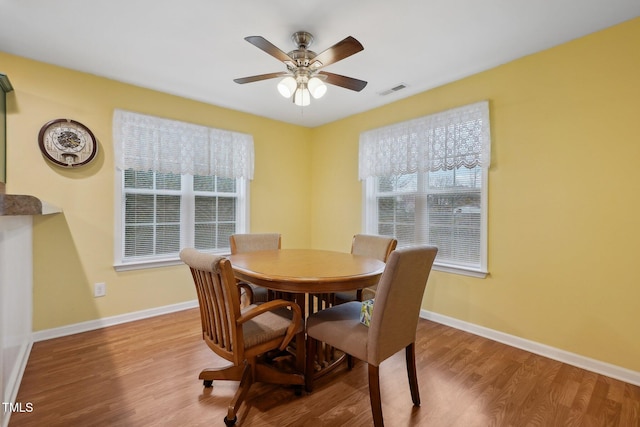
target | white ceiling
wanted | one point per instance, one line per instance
(195, 48)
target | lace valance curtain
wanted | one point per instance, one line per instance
(152, 143)
(451, 139)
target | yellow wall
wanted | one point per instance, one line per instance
(74, 250)
(564, 195)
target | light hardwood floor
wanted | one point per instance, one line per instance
(145, 373)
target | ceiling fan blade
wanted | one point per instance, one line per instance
(265, 45)
(259, 77)
(337, 52)
(343, 81)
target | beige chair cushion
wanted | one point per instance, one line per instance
(342, 328)
(267, 326)
(256, 242)
(372, 246)
(395, 314)
(200, 260)
(252, 242)
(398, 300)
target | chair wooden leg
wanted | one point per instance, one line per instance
(374, 395)
(241, 393)
(233, 373)
(265, 373)
(310, 368)
(410, 353)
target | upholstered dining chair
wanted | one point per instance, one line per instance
(394, 321)
(240, 336)
(372, 246)
(251, 242)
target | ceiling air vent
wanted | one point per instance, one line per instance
(393, 89)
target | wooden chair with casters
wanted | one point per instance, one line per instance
(251, 242)
(393, 322)
(241, 336)
(372, 246)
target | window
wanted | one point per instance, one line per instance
(177, 185)
(425, 182)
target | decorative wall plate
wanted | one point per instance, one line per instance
(67, 143)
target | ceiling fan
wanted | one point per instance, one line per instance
(304, 77)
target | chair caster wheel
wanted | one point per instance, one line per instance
(207, 383)
(230, 423)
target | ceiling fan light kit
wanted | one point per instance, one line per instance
(300, 88)
(304, 78)
(287, 86)
(301, 97)
(316, 87)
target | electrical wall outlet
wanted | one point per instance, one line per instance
(99, 289)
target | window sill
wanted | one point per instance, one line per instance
(139, 265)
(146, 264)
(461, 270)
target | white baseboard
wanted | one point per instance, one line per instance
(613, 371)
(110, 321)
(603, 368)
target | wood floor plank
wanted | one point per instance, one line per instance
(145, 373)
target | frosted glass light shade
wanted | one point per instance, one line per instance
(302, 97)
(317, 87)
(287, 86)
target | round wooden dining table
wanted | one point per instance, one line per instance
(309, 271)
(309, 277)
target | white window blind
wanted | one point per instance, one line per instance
(426, 182)
(178, 185)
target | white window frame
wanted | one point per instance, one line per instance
(187, 207)
(370, 222)
(370, 207)
(146, 143)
